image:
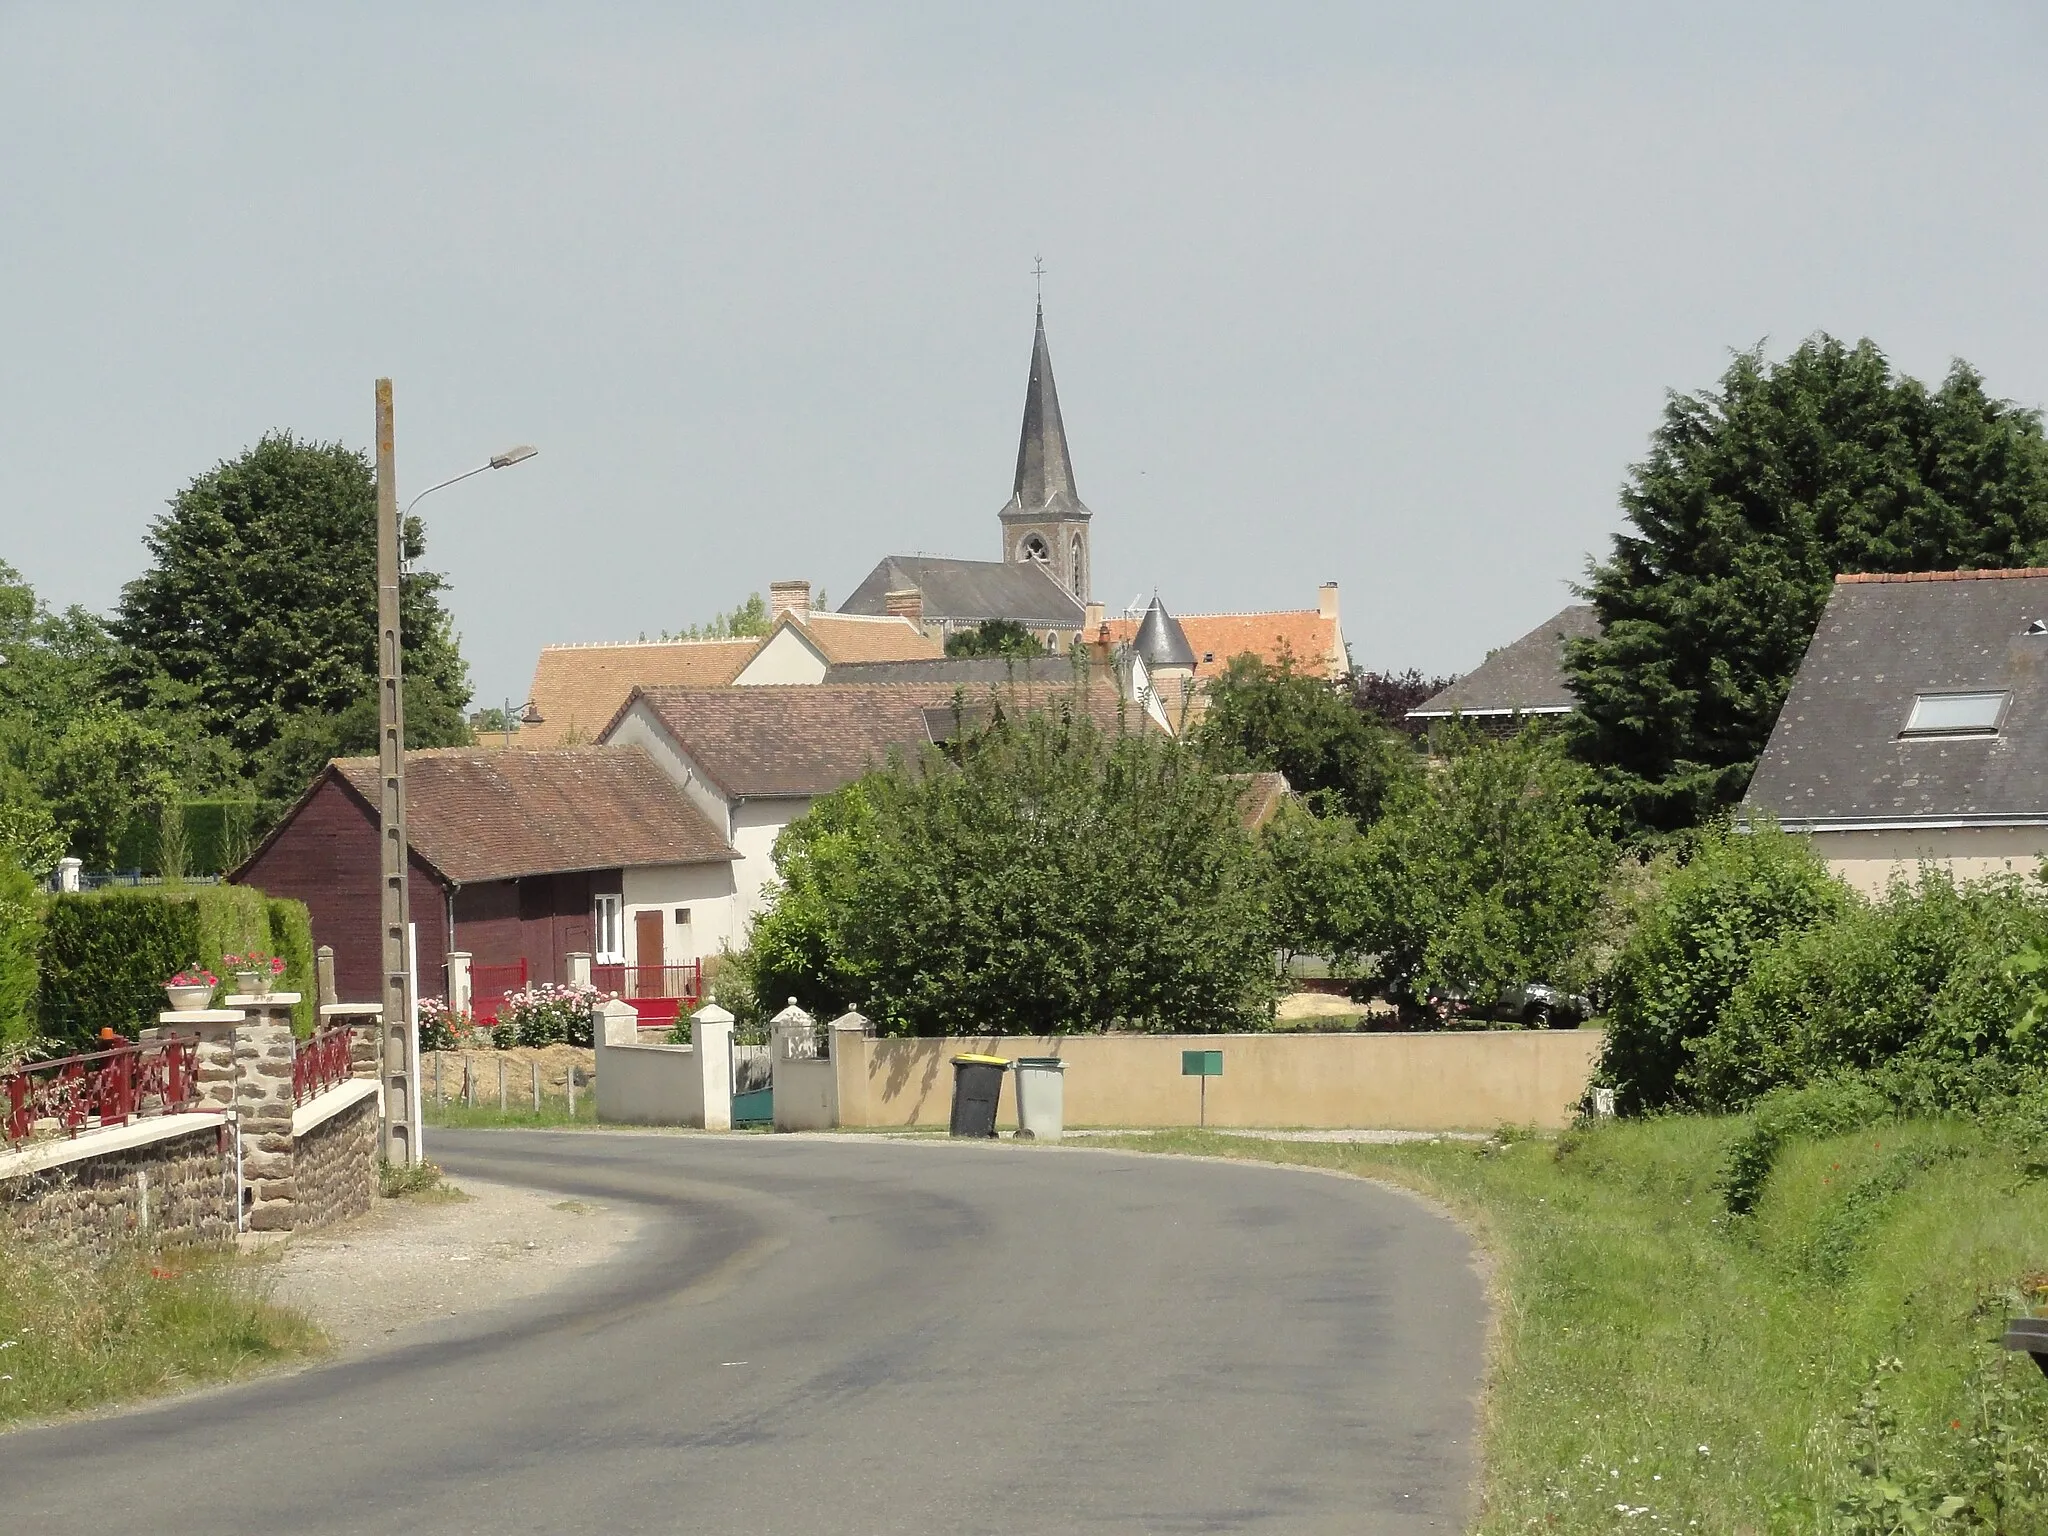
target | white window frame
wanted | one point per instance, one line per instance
(1957, 712)
(609, 923)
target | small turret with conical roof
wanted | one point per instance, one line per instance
(1160, 641)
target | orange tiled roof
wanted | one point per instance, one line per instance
(1217, 638)
(578, 688)
(859, 637)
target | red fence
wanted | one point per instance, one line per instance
(100, 1088)
(658, 993)
(322, 1062)
(490, 985)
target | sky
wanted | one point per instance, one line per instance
(1387, 295)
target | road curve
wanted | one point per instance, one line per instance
(855, 1337)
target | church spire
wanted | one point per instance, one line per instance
(1045, 470)
(1045, 523)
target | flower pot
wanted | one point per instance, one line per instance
(252, 983)
(188, 999)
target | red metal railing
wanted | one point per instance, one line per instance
(490, 985)
(101, 1088)
(322, 1062)
(657, 992)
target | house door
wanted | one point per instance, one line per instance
(647, 953)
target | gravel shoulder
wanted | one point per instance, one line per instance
(371, 1281)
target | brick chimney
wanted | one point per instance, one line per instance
(906, 603)
(1326, 600)
(790, 597)
(1092, 620)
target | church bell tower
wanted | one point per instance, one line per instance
(1045, 522)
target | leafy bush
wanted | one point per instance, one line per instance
(1696, 942)
(21, 933)
(1278, 719)
(1485, 874)
(1044, 876)
(1319, 894)
(1924, 972)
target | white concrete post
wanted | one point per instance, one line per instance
(850, 1022)
(460, 989)
(711, 1039)
(68, 874)
(617, 1024)
(789, 1026)
(579, 969)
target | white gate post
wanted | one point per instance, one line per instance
(711, 1039)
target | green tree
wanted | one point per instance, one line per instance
(106, 766)
(1047, 877)
(750, 618)
(310, 739)
(1753, 497)
(260, 603)
(1488, 871)
(996, 637)
(1275, 718)
(1319, 891)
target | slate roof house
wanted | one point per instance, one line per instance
(1518, 680)
(519, 858)
(1916, 728)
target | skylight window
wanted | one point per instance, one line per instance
(1955, 714)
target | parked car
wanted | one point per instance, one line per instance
(1533, 1004)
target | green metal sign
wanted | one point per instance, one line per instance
(1201, 1063)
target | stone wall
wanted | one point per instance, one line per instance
(335, 1176)
(180, 1186)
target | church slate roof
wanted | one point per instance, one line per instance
(1838, 755)
(970, 591)
(1161, 641)
(1044, 485)
(1525, 678)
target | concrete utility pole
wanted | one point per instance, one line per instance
(401, 1123)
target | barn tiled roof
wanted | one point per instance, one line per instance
(1217, 639)
(496, 814)
(810, 739)
(1523, 678)
(1838, 753)
(970, 591)
(577, 688)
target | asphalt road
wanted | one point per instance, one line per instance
(861, 1337)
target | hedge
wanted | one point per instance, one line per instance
(21, 931)
(106, 954)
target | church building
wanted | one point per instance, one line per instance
(1042, 580)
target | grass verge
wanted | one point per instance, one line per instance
(77, 1333)
(1827, 1364)
(552, 1112)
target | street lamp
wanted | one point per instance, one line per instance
(400, 1053)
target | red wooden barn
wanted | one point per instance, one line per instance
(517, 857)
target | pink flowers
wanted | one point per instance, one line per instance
(194, 976)
(255, 960)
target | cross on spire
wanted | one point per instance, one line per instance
(1038, 274)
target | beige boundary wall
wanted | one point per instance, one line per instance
(1425, 1082)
